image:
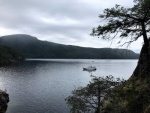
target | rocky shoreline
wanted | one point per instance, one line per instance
(4, 99)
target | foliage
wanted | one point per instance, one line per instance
(8, 55)
(125, 22)
(90, 98)
(133, 96)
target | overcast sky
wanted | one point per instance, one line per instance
(61, 21)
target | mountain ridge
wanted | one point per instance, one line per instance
(32, 47)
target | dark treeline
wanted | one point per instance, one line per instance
(31, 47)
(9, 55)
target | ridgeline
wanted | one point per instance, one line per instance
(31, 47)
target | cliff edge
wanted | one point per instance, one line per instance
(133, 96)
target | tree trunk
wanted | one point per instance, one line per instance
(143, 66)
(98, 110)
(146, 41)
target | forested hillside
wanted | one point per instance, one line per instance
(8, 56)
(31, 47)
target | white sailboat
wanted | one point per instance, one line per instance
(89, 68)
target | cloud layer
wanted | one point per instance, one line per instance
(61, 21)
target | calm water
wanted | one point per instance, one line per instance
(40, 86)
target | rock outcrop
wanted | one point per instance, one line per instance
(137, 89)
(133, 96)
(4, 99)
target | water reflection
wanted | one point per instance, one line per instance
(90, 71)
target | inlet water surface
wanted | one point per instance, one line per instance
(41, 85)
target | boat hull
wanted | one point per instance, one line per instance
(89, 69)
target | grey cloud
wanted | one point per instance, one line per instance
(18, 13)
(72, 19)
